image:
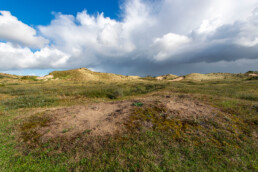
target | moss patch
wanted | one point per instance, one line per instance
(29, 129)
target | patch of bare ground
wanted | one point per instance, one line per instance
(110, 118)
(96, 119)
(45, 77)
(253, 75)
(177, 79)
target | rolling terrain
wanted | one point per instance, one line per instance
(80, 120)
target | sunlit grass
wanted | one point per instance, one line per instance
(154, 141)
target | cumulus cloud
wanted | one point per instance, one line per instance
(13, 57)
(152, 37)
(13, 30)
(168, 45)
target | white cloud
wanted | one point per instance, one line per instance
(13, 57)
(209, 26)
(168, 45)
(248, 35)
(13, 30)
(247, 42)
(149, 32)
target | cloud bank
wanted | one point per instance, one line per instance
(152, 37)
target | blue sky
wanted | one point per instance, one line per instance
(130, 37)
(39, 12)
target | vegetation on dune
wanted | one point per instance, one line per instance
(31, 78)
(252, 72)
(167, 77)
(171, 76)
(213, 76)
(3, 76)
(84, 74)
(7, 78)
(148, 78)
(155, 138)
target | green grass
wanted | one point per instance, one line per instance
(155, 141)
(138, 104)
(31, 78)
(62, 74)
(88, 89)
(28, 102)
(116, 91)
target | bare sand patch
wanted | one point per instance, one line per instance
(253, 75)
(100, 119)
(177, 79)
(47, 77)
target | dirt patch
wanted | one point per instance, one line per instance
(166, 77)
(47, 77)
(187, 108)
(93, 119)
(101, 119)
(177, 79)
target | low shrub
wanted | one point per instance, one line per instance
(31, 78)
(253, 78)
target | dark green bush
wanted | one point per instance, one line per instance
(253, 78)
(252, 72)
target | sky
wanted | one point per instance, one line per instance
(130, 37)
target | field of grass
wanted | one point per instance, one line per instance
(155, 140)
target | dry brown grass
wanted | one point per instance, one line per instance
(212, 76)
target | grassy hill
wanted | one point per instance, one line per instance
(8, 76)
(84, 74)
